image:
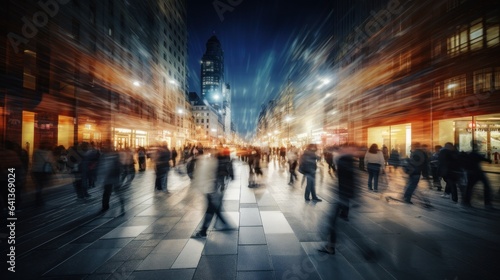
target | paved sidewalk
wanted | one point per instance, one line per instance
(276, 234)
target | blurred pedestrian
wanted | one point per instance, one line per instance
(385, 153)
(328, 155)
(141, 157)
(308, 166)
(75, 155)
(415, 164)
(192, 156)
(450, 170)
(347, 185)
(426, 167)
(434, 164)
(292, 157)
(43, 167)
(211, 175)
(109, 169)
(476, 174)
(174, 157)
(162, 166)
(394, 160)
(374, 162)
(255, 170)
(127, 163)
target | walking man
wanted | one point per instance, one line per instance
(162, 167)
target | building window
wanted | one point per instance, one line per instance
(486, 80)
(29, 76)
(482, 81)
(475, 36)
(492, 31)
(455, 86)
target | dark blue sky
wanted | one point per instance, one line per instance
(265, 43)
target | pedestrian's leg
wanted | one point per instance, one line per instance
(447, 190)
(453, 190)
(165, 181)
(370, 177)
(466, 198)
(410, 188)
(486, 190)
(106, 195)
(209, 214)
(308, 187)
(376, 172)
(313, 188)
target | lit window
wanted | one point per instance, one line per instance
(455, 86)
(476, 35)
(29, 78)
(492, 32)
(467, 38)
(482, 80)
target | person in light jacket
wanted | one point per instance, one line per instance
(374, 161)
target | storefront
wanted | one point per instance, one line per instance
(393, 137)
(484, 129)
(129, 138)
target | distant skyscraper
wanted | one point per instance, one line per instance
(212, 73)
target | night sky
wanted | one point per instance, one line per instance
(265, 43)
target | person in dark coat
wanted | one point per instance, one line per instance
(416, 163)
(450, 170)
(394, 159)
(108, 174)
(162, 167)
(434, 164)
(141, 156)
(174, 157)
(308, 167)
(476, 174)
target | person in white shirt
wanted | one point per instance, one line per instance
(374, 161)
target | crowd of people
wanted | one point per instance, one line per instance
(89, 165)
(210, 170)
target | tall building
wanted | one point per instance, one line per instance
(212, 73)
(213, 88)
(92, 71)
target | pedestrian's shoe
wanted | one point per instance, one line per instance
(201, 234)
(327, 249)
(445, 195)
(408, 201)
(317, 199)
(307, 199)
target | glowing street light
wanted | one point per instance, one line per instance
(136, 83)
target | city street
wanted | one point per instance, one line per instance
(275, 234)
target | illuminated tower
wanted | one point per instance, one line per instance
(212, 73)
